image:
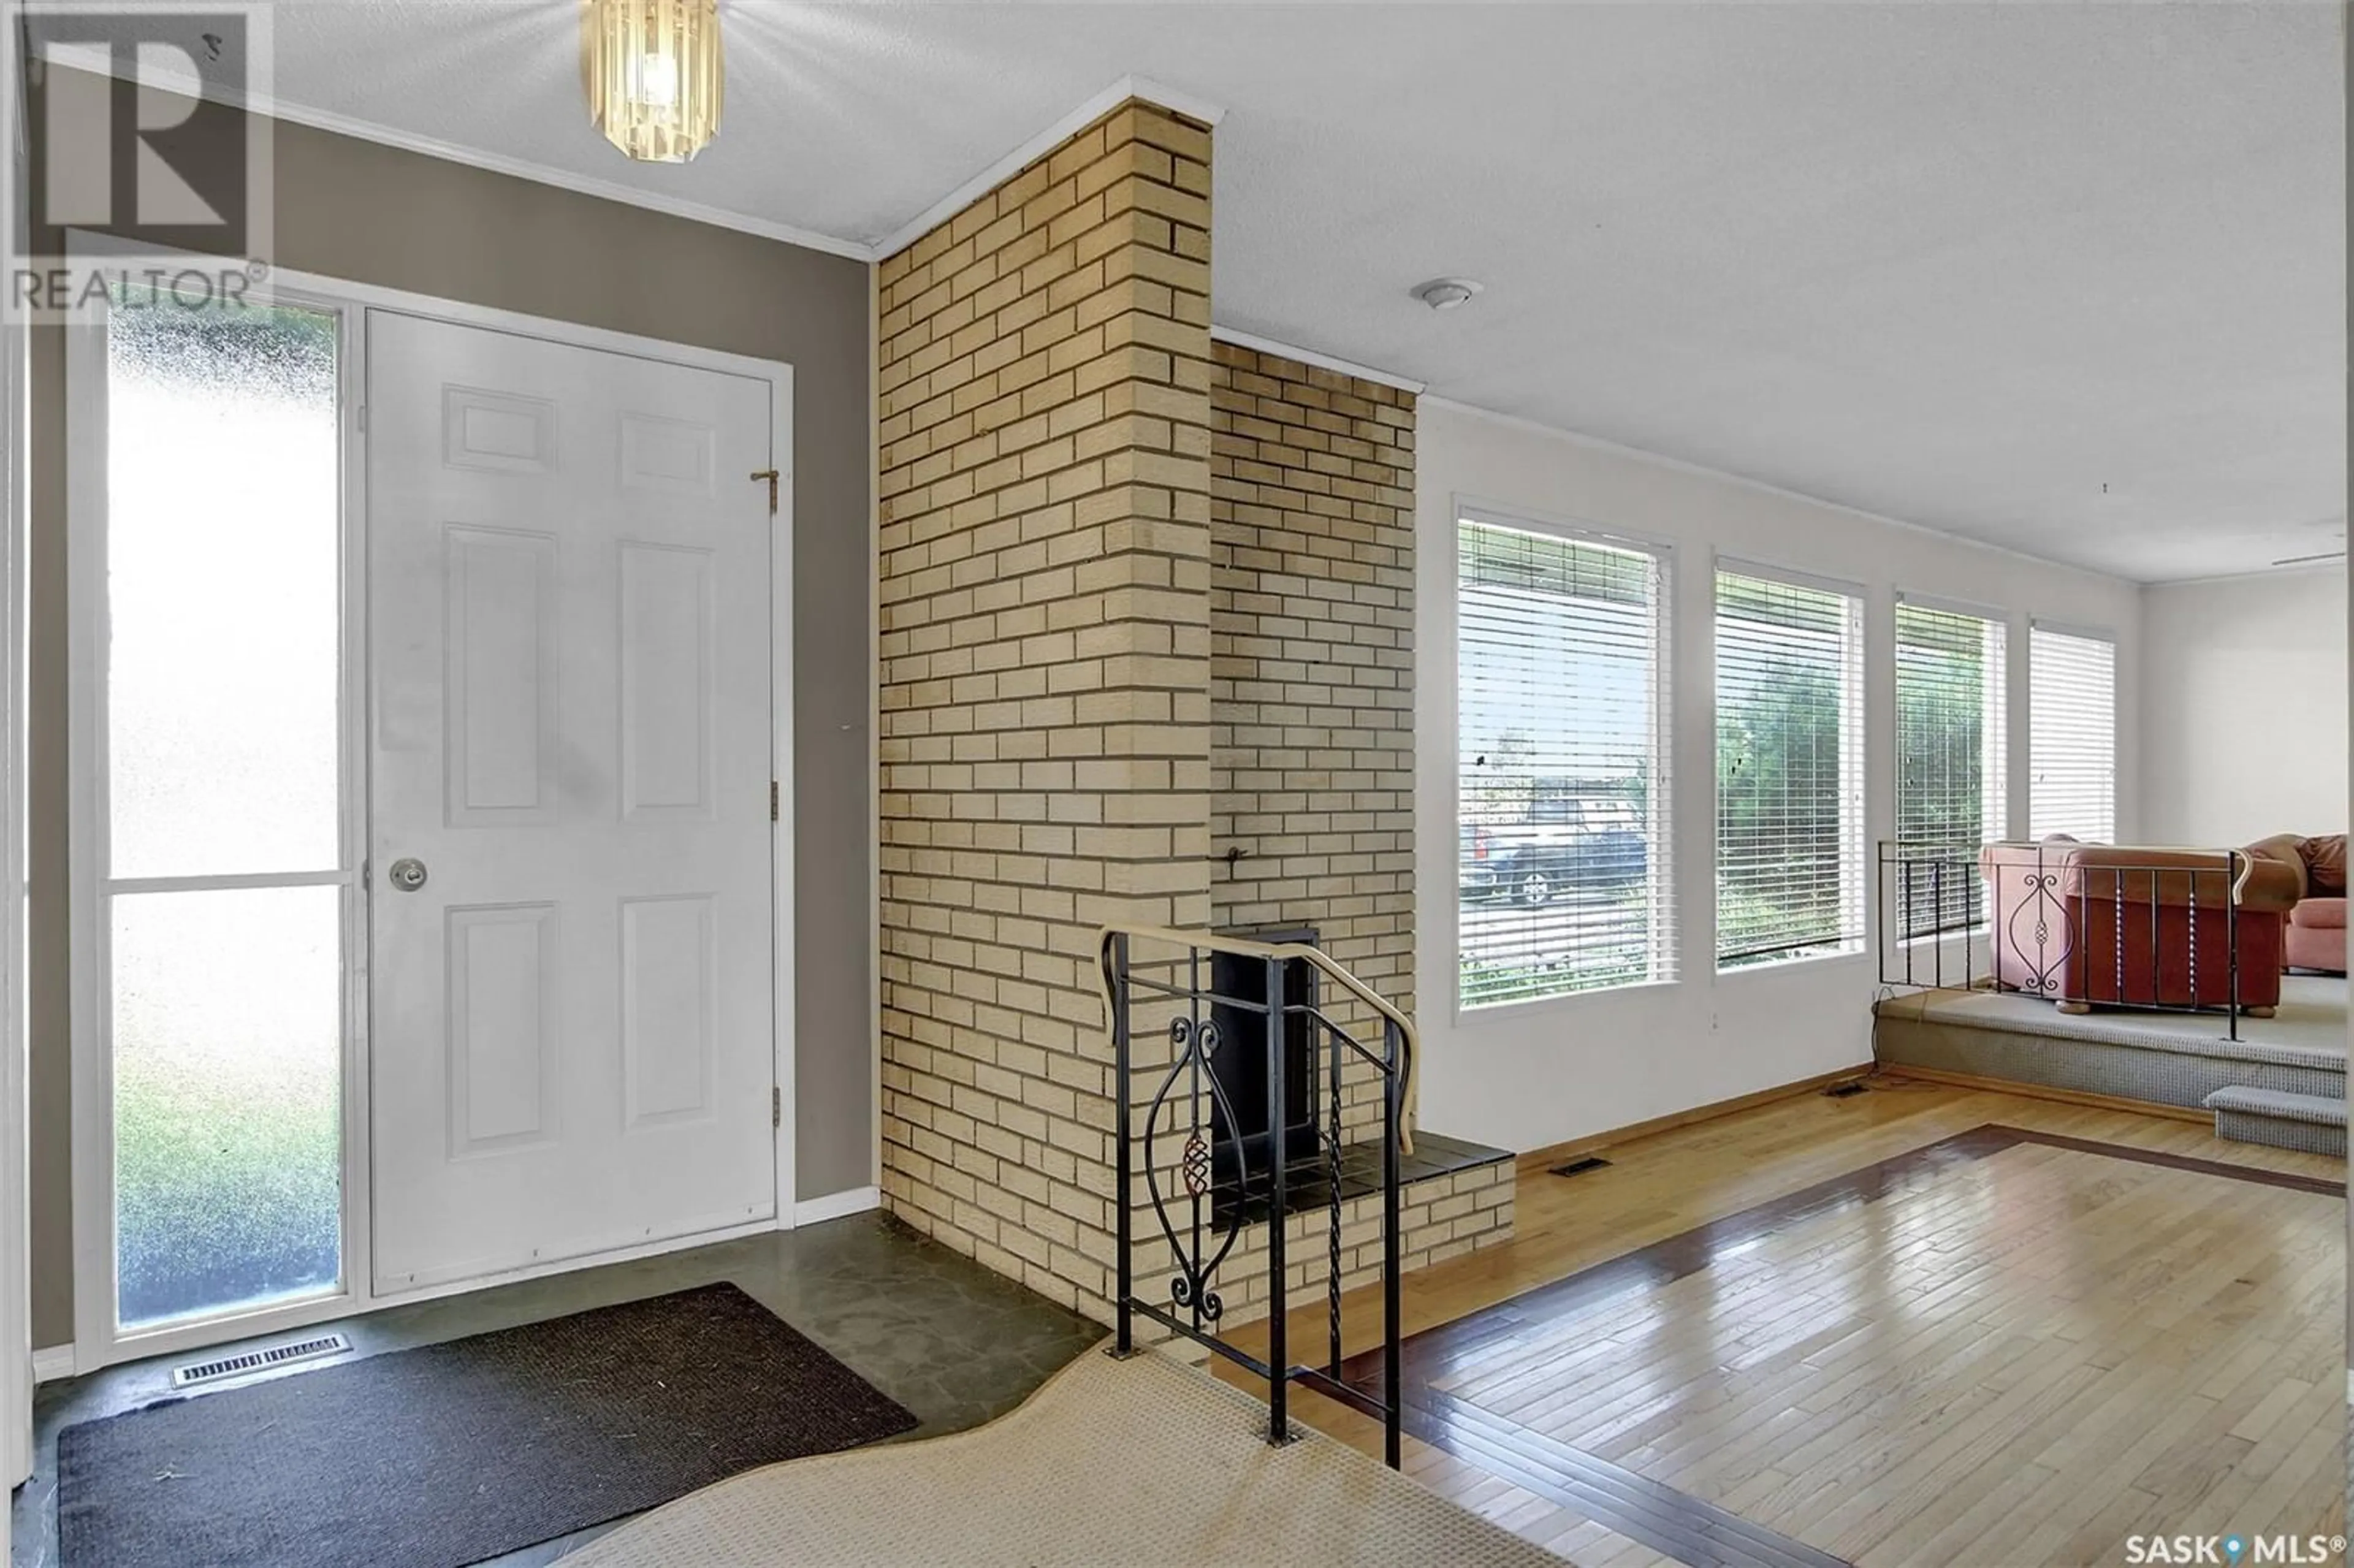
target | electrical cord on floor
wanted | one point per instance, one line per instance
(1904, 1086)
(1878, 1078)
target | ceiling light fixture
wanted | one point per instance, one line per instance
(653, 75)
(1446, 293)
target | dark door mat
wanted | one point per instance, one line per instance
(448, 1454)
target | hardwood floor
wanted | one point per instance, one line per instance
(1865, 1330)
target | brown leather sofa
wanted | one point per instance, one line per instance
(2315, 935)
(2131, 926)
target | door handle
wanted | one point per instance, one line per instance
(408, 874)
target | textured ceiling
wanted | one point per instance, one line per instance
(2064, 278)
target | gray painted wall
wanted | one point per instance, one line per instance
(357, 210)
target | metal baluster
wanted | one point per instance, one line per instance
(1938, 921)
(2194, 928)
(1194, 1113)
(2120, 942)
(1393, 1099)
(2045, 985)
(1332, 1174)
(2231, 932)
(1905, 920)
(1982, 903)
(1279, 1363)
(1125, 1343)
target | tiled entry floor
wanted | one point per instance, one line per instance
(955, 1343)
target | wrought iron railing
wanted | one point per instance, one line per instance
(1180, 1133)
(1915, 921)
(2079, 925)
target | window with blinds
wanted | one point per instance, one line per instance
(1560, 679)
(1789, 769)
(1950, 729)
(2071, 734)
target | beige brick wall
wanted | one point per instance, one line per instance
(1044, 380)
(1311, 671)
(1122, 630)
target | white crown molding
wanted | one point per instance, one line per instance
(834, 1205)
(1257, 344)
(451, 153)
(1758, 486)
(2335, 569)
(584, 185)
(1044, 142)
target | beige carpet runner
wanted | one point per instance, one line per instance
(1136, 1462)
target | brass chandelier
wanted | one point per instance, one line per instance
(653, 75)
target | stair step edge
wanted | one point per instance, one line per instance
(2318, 1109)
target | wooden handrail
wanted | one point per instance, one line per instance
(1324, 964)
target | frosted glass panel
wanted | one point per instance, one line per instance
(222, 483)
(228, 1091)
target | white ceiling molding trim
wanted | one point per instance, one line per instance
(1044, 142)
(2300, 569)
(1701, 470)
(1257, 344)
(540, 173)
(187, 86)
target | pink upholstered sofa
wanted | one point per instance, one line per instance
(2315, 938)
(2126, 926)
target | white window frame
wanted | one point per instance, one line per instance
(98, 1335)
(1998, 732)
(99, 1341)
(2116, 682)
(1855, 737)
(1665, 946)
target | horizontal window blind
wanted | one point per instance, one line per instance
(1789, 771)
(2071, 734)
(1562, 780)
(1950, 737)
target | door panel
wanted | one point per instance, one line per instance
(499, 615)
(500, 965)
(668, 632)
(668, 976)
(572, 1044)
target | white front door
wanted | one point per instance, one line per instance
(569, 856)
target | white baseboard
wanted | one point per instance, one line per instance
(833, 1205)
(52, 1363)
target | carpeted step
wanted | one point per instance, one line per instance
(2313, 1123)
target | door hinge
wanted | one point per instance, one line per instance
(360, 413)
(771, 475)
(772, 800)
(776, 1107)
